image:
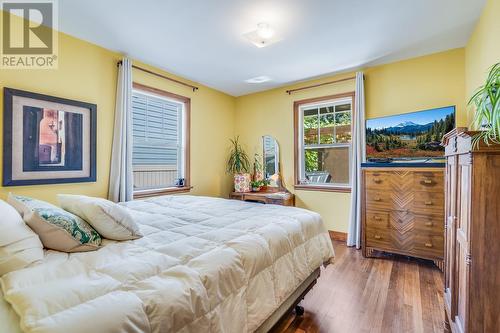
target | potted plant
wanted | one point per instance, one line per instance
(487, 104)
(256, 185)
(258, 171)
(239, 165)
(264, 184)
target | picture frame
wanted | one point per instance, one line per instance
(47, 139)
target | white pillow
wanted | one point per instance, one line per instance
(19, 245)
(112, 221)
(58, 229)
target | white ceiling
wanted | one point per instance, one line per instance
(202, 39)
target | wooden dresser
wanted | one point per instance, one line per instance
(472, 250)
(403, 211)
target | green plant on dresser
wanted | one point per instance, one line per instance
(486, 101)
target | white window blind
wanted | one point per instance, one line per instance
(157, 141)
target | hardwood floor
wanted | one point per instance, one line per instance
(356, 294)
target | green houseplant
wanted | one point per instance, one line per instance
(238, 164)
(486, 101)
(256, 185)
(258, 170)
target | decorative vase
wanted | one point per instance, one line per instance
(242, 182)
(256, 189)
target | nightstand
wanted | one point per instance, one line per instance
(275, 198)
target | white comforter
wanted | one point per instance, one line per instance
(204, 265)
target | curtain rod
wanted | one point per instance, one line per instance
(320, 84)
(162, 76)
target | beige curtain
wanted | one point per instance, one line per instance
(358, 156)
(121, 187)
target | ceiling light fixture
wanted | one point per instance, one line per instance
(264, 35)
(264, 30)
(259, 79)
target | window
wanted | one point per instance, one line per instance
(160, 129)
(323, 130)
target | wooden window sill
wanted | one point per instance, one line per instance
(323, 188)
(163, 191)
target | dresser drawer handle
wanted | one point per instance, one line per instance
(377, 199)
(428, 244)
(377, 237)
(428, 203)
(429, 224)
(428, 181)
(377, 218)
(377, 181)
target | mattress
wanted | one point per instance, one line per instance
(203, 265)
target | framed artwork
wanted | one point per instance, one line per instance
(47, 140)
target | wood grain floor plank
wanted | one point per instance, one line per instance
(393, 311)
(375, 294)
(382, 295)
(412, 289)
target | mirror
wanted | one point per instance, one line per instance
(271, 157)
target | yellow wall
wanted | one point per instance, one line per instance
(483, 49)
(212, 125)
(88, 73)
(416, 84)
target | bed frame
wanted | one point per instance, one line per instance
(291, 302)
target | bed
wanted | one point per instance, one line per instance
(203, 265)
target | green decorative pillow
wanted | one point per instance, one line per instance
(58, 229)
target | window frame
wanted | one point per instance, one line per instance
(299, 145)
(186, 135)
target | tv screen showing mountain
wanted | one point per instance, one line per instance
(413, 135)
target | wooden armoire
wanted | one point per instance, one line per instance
(472, 234)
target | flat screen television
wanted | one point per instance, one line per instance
(414, 136)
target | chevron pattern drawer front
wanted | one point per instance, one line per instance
(403, 212)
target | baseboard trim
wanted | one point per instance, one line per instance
(338, 236)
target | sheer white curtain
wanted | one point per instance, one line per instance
(358, 156)
(121, 177)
